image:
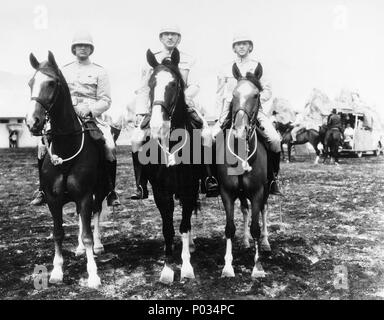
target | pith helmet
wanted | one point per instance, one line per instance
(241, 37)
(82, 37)
(170, 28)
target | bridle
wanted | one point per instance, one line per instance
(170, 110)
(47, 105)
(252, 117)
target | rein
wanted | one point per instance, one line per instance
(244, 162)
(170, 157)
(171, 160)
(253, 119)
(55, 159)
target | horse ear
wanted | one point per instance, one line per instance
(51, 60)
(259, 71)
(175, 57)
(236, 72)
(152, 59)
(34, 63)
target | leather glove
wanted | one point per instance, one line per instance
(189, 102)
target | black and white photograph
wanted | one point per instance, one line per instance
(204, 151)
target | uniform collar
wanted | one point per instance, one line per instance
(84, 63)
(243, 60)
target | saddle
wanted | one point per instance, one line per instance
(94, 131)
(302, 130)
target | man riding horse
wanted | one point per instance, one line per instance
(298, 125)
(242, 46)
(90, 91)
(170, 37)
(334, 121)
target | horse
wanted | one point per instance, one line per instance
(249, 181)
(303, 136)
(73, 171)
(332, 141)
(168, 113)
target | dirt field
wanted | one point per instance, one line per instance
(333, 216)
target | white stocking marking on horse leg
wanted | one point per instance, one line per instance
(317, 160)
(57, 272)
(80, 250)
(167, 274)
(228, 269)
(247, 234)
(257, 271)
(98, 246)
(186, 268)
(265, 246)
(93, 279)
(191, 242)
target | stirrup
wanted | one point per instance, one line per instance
(139, 193)
(275, 189)
(113, 199)
(212, 191)
(39, 198)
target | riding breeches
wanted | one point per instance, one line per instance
(41, 149)
(110, 146)
(272, 135)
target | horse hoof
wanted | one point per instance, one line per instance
(80, 251)
(98, 250)
(187, 272)
(228, 272)
(167, 275)
(56, 276)
(94, 282)
(257, 273)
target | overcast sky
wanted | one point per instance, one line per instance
(329, 44)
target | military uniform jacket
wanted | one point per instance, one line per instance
(187, 70)
(226, 83)
(88, 84)
(334, 121)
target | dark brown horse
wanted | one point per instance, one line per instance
(332, 142)
(303, 136)
(248, 179)
(74, 168)
(168, 116)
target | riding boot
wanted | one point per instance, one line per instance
(273, 171)
(39, 196)
(141, 191)
(112, 197)
(211, 184)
